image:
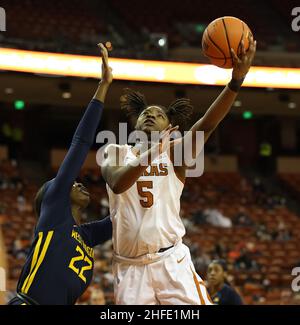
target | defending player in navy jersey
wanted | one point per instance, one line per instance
(60, 264)
(219, 289)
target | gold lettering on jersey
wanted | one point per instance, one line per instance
(157, 170)
(89, 250)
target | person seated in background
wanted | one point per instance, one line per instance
(221, 292)
(242, 219)
(216, 218)
(282, 233)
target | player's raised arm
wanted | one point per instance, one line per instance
(221, 106)
(85, 132)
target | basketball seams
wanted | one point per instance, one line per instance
(242, 37)
(222, 35)
(227, 39)
(219, 48)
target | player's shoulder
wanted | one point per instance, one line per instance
(48, 189)
(227, 287)
(229, 290)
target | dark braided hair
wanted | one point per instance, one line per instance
(180, 111)
(133, 102)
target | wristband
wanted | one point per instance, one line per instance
(235, 85)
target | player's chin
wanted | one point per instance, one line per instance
(148, 128)
(84, 200)
(213, 282)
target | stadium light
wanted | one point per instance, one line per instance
(19, 105)
(9, 90)
(247, 115)
(199, 28)
(237, 103)
(143, 70)
(292, 105)
(161, 42)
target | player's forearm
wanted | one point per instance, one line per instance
(88, 124)
(101, 91)
(81, 143)
(217, 111)
(214, 115)
(124, 177)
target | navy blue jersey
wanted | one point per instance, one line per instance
(227, 296)
(60, 264)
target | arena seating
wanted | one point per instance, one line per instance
(54, 25)
(192, 11)
(57, 27)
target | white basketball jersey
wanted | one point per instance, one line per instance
(146, 217)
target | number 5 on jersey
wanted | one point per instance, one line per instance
(146, 196)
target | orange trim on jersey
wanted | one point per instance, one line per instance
(202, 301)
(207, 294)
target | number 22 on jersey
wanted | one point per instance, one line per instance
(80, 257)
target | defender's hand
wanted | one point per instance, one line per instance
(107, 76)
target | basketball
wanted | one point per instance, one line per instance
(221, 35)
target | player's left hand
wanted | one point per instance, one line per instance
(242, 64)
(107, 76)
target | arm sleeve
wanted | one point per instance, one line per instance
(98, 232)
(57, 197)
(81, 143)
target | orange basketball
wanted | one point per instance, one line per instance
(221, 35)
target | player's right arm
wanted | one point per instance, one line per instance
(85, 133)
(58, 189)
(219, 108)
(120, 177)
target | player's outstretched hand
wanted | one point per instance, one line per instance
(242, 64)
(107, 76)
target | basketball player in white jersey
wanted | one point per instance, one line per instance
(151, 264)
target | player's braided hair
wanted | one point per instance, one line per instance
(133, 102)
(180, 111)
